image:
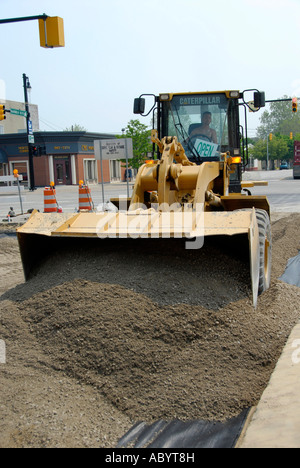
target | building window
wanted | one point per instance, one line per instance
(90, 170)
(115, 169)
(23, 169)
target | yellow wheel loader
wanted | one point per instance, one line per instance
(191, 190)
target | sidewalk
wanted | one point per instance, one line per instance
(276, 420)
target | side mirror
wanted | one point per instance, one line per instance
(139, 106)
(259, 99)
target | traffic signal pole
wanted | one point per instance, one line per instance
(30, 152)
(51, 35)
(24, 18)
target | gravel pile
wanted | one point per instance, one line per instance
(95, 344)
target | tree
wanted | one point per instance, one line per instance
(279, 119)
(141, 143)
(75, 128)
(259, 150)
(279, 149)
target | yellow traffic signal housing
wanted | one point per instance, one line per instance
(270, 136)
(294, 104)
(52, 32)
(291, 135)
(2, 112)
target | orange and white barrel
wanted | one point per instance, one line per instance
(50, 204)
(85, 199)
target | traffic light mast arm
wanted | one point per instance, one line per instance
(279, 100)
(25, 18)
(293, 100)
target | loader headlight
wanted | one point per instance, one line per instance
(164, 97)
(236, 159)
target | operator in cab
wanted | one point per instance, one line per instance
(204, 129)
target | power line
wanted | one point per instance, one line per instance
(50, 124)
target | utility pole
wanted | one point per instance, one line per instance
(27, 86)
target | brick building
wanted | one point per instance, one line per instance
(69, 157)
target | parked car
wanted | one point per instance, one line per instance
(284, 165)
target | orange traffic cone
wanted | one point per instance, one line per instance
(85, 199)
(50, 203)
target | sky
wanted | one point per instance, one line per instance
(117, 50)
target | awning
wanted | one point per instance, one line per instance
(3, 156)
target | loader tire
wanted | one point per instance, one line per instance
(265, 250)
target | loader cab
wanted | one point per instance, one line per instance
(200, 122)
(206, 124)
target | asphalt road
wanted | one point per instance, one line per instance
(283, 193)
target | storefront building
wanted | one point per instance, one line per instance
(67, 158)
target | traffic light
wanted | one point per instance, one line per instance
(2, 112)
(42, 150)
(291, 135)
(52, 32)
(294, 104)
(38, 150)
(34, 150)
(270, 136)
(259, 99)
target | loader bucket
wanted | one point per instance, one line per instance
(139, 231)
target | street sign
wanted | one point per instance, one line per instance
(30, 138)
(113, 149)
(30, 131)
(23, 113)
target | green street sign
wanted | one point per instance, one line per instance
(23, 113)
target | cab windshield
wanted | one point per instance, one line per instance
(200, 123)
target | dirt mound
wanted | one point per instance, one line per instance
(155, 362)
(86, 358)
(167, 273)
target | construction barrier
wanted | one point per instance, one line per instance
(50, 203)
(85, 199)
